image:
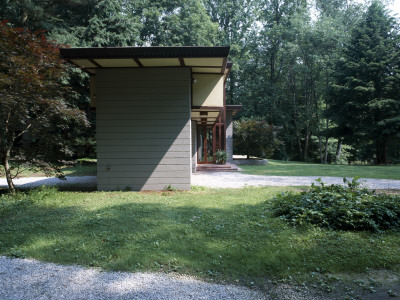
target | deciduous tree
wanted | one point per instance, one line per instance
(254, 138)
(34, 111)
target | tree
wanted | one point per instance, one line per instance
(46, 14)
(174, 23)
(365, 99)
(34, 113)
(254, 138)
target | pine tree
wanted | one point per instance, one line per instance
(365, 98)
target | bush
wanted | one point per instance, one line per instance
(254, 138)
(339, 208)
(221, 156)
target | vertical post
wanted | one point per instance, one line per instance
(205, 143)
(224, 119)
(214, 132)
(220, 133)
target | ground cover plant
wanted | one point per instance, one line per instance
(338, 207)
(219, 235)
(295, 168)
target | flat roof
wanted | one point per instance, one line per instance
(201, 60)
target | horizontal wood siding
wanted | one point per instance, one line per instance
(143, 128)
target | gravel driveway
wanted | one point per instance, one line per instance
(209, 179)
(34, 280)
(240, 180)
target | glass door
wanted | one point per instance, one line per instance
(205, 154)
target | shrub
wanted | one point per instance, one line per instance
(254, 138)
(339, 207)
(221, 156)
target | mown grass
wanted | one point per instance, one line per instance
(294, 168)
(221, 234)
(82, 167)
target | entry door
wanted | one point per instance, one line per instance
(205, 154)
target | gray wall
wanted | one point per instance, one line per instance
(143, 128)
(229, 135)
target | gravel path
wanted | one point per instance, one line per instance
(211, 179)
(240, 180)
(34, 280)
(77, 181)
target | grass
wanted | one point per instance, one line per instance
(294, 168)
(83, 167)
(222, 235)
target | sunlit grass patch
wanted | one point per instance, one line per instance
(293, 168)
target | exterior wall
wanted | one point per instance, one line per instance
(208, 90)
(229, 135)
(194, 146)
(143, 128)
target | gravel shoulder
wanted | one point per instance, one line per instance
(31, 279)
(208, 179)
(240, 180)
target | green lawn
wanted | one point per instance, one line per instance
(225, 234)
(294, 168)
(82, 167)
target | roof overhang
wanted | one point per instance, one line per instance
(234, 108)
(201, 60)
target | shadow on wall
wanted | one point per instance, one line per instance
(143, 128)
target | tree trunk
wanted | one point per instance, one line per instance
(320, 149)
(326, 140)
(7, 170)
(339, 149)
(326, 150)
(381, 150)
(306, 142)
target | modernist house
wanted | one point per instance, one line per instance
(160, 111)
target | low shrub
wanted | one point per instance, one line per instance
(339, 207)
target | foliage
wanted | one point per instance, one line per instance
(175, 23)
(34, 113)
(254, 138)
(286, 56)
(221, 156)
(340, 208)
(365, 97)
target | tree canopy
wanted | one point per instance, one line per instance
(34, 109)
(293, 61)
(365, 96)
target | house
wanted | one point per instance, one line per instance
(160, 111)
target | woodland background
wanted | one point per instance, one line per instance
(323, 73)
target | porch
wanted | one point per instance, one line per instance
(228, 167)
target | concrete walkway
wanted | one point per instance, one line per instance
(208, 179)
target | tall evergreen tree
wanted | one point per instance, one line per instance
(365, 99)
